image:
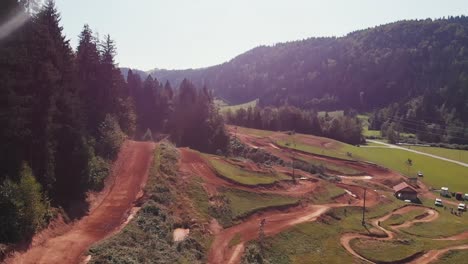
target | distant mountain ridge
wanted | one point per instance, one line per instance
(365, 70)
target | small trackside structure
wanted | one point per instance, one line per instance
(404, 191)
(444, 191)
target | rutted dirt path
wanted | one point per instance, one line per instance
(130, 172)
(276, 221)
(429, 216)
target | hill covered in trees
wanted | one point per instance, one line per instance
(417, 70)
(64, 114)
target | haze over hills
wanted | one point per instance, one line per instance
(364, 70)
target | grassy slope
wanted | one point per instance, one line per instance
(243, 203)
(437, 173)
(446, 225)
(245, 106)
(242, 176)
(454, 154)
(318, 241)
(398, 219)
(456, 256)
(254, 132)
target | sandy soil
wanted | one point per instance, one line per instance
(131, 173)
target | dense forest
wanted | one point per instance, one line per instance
(417, 70)
(65, 113)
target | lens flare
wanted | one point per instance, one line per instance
(13, 24)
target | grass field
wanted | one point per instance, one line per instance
(455, 256)
(331, 114)
(437, 173)
(234, 108)
(454, 154)
(327, 193)
(446, 225)
(243, 203)
(254, 132)
(341, 170)
(398, 219)
(396, 250)
(313, 149)
(242, 176)
(318, 241)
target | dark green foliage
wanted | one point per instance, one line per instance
(220, 209)
(53, 105)
(110, 137)
(23, 206)
(364, 70)
(253, 255)
(195, 121)
(257, 155)
(288, 118)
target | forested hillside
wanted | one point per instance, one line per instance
(64, 114)
(420, 68)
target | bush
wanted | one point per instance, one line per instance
(98, 170)
(24, 207)
(111, 137)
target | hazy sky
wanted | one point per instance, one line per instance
(175, 34)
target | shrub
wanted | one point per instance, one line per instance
(24, 207)
(111, 137)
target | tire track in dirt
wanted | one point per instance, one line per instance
(427, 257)
(131, 172)
(276, 220)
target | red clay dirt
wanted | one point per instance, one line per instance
(379, 176)
(276, 221)
(192, 163)
(131, 172)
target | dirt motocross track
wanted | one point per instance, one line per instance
(280, 220)
(130, 173)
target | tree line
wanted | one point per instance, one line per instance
(365, 70)
(346, 128)
(64, 114)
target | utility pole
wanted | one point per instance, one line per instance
(364, 208)
(261, 235)
(294, 158)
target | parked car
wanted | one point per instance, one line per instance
(444, 191)
(459, 196)
(420, 174)
(461, 207)
(466, 196)
(438, 202)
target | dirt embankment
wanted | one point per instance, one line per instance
(130, 175)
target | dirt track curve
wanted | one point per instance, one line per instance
(429, 216)
(130, 173)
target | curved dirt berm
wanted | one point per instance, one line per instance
(423, 258)
(130, 172)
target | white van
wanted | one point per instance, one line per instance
(461, 207)
(438, 202)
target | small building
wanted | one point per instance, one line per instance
(404, 191)
(444, 191)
